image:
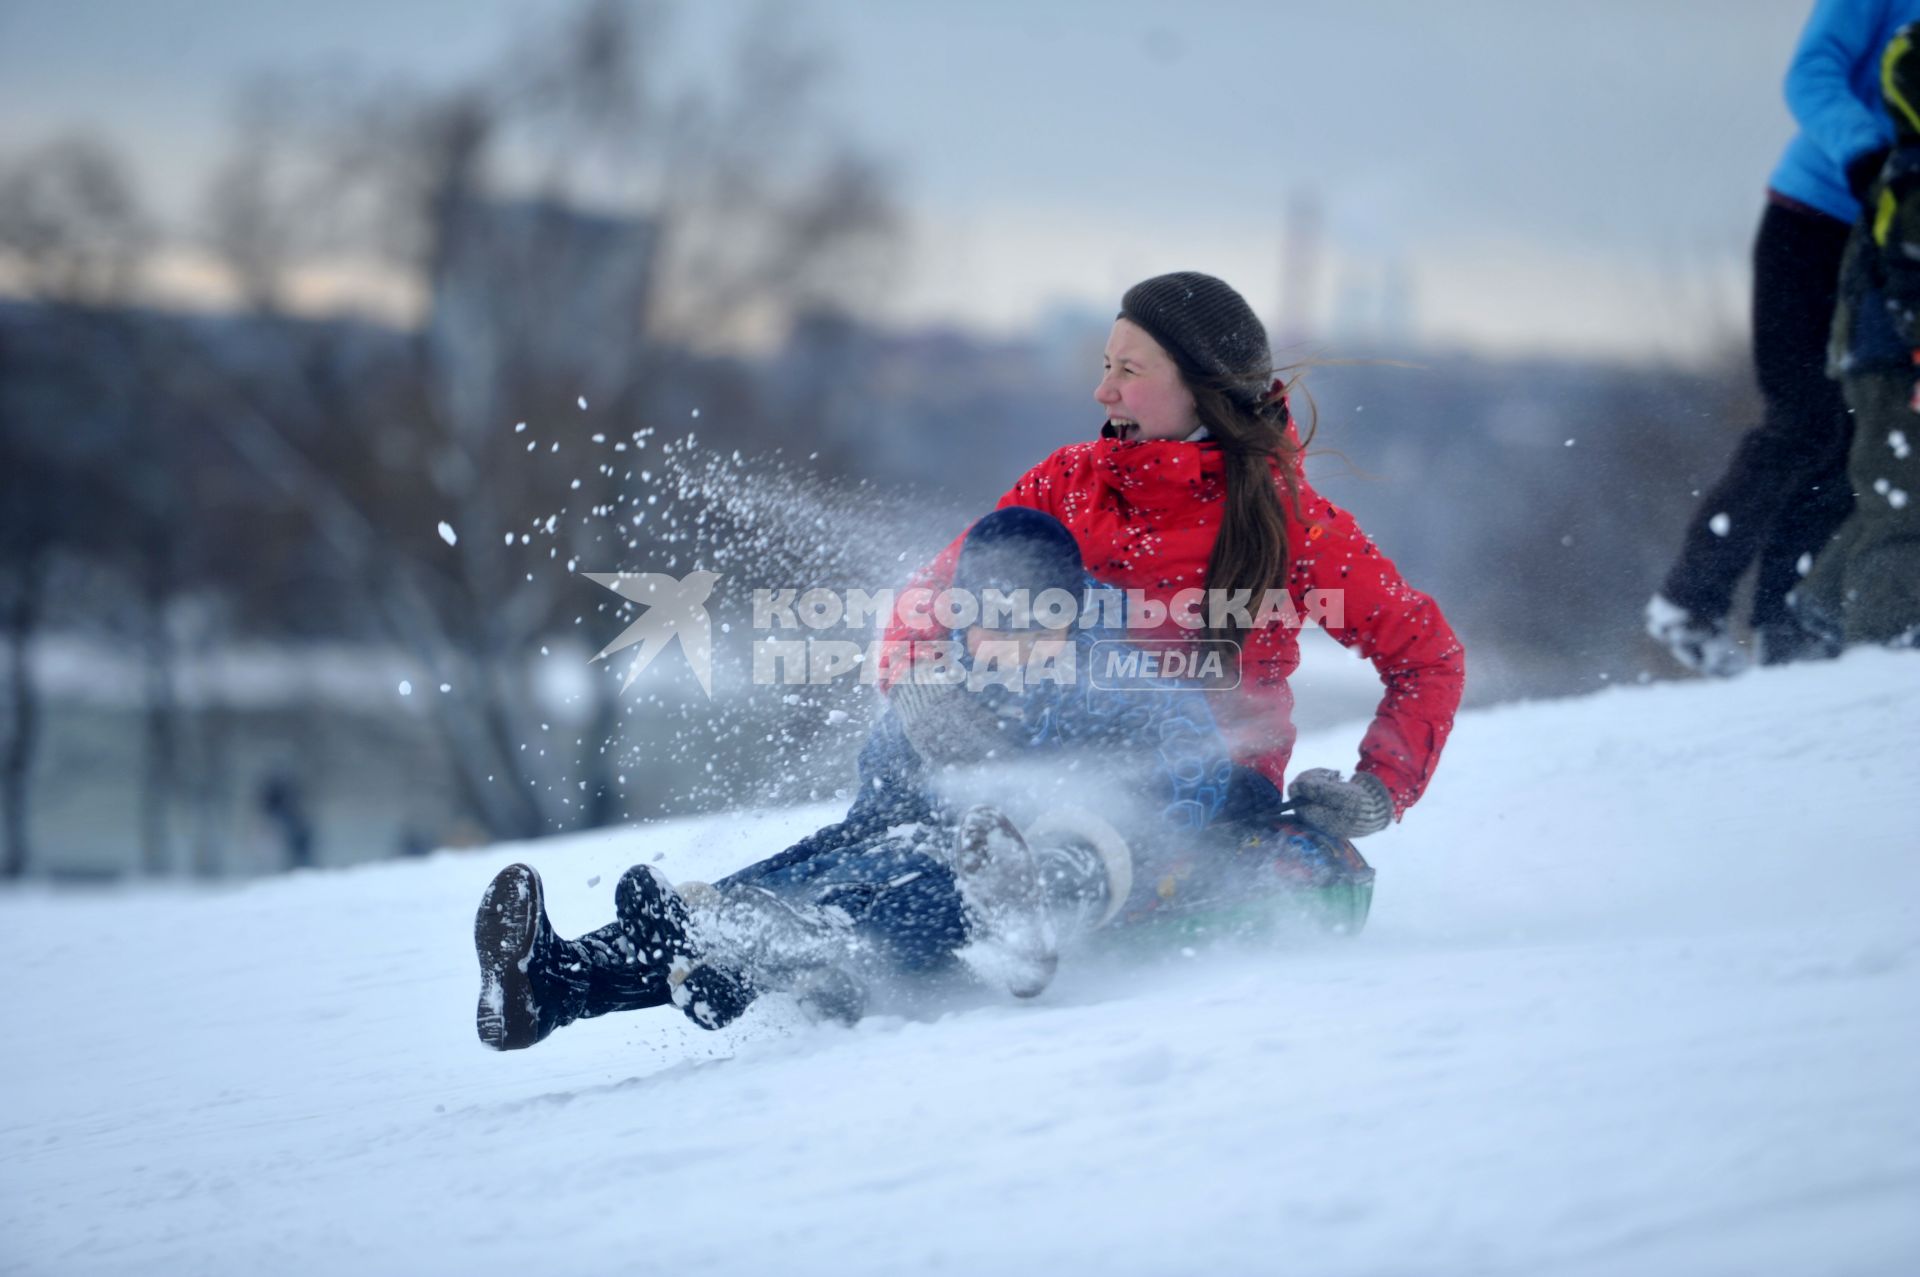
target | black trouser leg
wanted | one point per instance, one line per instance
(611, 973)
(1785, 490)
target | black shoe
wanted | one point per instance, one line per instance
(1784, 642)
(655, 921)
(523, 997)
(1701, 643)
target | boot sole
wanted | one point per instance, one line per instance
(504, 932)
(1024, 961)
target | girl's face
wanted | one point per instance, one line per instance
(1142, 391)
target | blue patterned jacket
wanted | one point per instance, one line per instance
(1158, 737)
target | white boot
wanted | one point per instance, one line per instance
(1700, 643)
(1086, 869)
(1011, 935)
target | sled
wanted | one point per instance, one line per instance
(1292, 882)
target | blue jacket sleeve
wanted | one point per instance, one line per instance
(1839, 35)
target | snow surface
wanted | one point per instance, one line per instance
(1641, 994)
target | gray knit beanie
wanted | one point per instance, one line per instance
(1207, 327)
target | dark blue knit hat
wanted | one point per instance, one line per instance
(1019, 549)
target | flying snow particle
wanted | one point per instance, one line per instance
(1720, 524)
(835, 717)
(1897, 499)
(446, 687)
(696, 412)
(519, 427)
(1803, 564)
(1569, 443)
(447, 533)
(509, 538)
(1897, 440)
(406, 688)
(582, 401)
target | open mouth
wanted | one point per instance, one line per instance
(1120, 428)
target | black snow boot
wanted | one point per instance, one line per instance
(532, 982)
(711, 992)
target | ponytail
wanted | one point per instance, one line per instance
(1251, 551)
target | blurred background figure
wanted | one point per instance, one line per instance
(283, 803)
(1865, 585)
(1785, 492)
(333, 353)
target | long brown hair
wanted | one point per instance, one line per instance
(1251, 551)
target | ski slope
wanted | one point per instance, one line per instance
(1641, 994)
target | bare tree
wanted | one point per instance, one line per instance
(574, 226)
(72, 241)
(25, 533)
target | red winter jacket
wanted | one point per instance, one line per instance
(1146, 513)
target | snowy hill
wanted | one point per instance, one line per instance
(1641, 994)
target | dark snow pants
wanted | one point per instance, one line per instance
(1785, 492)
(889, 876)
(886, 877)
(1865, 586)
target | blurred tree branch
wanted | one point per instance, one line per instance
(575, 225)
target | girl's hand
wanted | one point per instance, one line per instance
(1345, 808)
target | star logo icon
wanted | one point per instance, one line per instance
(675, 607)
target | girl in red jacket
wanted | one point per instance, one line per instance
(1196, 483)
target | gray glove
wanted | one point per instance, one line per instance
(1345, 808)
(945, 723)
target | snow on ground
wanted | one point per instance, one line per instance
(1641, 994)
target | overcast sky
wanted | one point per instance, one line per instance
(1537, 174)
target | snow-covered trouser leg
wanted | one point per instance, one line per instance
(875, 901)
(712, 991)
(532, 982)
(777, 945)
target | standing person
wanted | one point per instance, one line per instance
(1865, 585)
(1196, 483)
(1785, 491)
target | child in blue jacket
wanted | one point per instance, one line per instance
(1865, 585)
(1785, 489)
(929, 871)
